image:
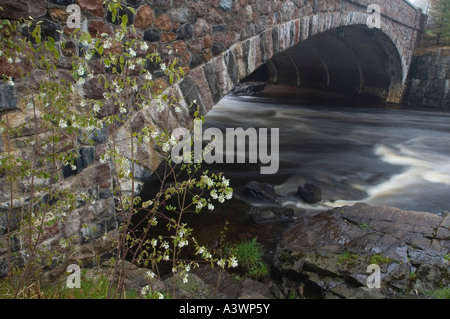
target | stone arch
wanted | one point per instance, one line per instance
(207, 84)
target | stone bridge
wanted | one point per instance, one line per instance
(323, 44)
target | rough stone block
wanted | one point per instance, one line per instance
(23, 9)
(8, 99)
(191, 95)
(144, 17)
(213, 83)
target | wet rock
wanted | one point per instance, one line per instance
(194, 288)
(331, 251)
(152, 35)
(311, 194)
(185, 32)
(226, 4)
(270, 214)
(256, 190)
(14, 9)
(8, 99)
(248, 88)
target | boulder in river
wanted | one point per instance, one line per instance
(310, 193)
(258, 190)
(329, 254)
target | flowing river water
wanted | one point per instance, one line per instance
(355, 151)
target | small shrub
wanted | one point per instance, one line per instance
(379, 259)
(346, 257)
(443, 293)
(249, 257)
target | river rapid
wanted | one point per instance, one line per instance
(356, 152)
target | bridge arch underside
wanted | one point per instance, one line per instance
(352, 60)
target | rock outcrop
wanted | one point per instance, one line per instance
(327, 255)
(429, 83)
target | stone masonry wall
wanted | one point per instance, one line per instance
(218, 43)
(429, 82)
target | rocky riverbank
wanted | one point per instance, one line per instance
(323, 256)
(327, 255)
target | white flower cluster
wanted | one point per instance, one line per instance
(232, 262)
(169, 144)
(145, 292)
(204, 253)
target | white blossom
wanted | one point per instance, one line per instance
(210, 206)
(148, 76)
(81, 70)
(199, 205)
(225, 182)
(63, 243)
(207, 180)
(233, 262)
(144, 46)
(62, 123)
(166, 147)
(88, 55)
(150, 274)
(229, 194)
(183, 243)
(107, 44)
(145, 290)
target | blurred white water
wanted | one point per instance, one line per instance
(380, 156)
